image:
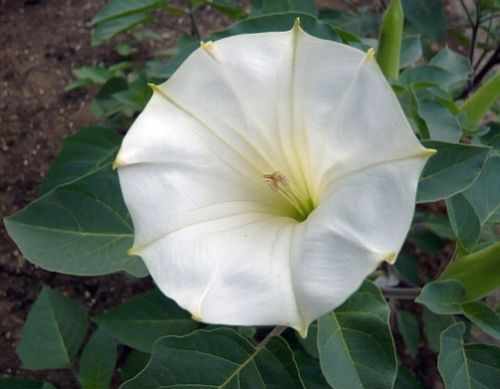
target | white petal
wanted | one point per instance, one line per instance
(362, 221)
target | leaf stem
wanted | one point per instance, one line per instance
(276, 331)
(401, 293)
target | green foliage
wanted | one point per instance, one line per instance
(218, 358)
(481, 101)
(53, 332)
(97, 363)
(260, 7)
(484, 317)
(479, 272)
(408, 328)
(427, 16)
(452, 170)
(19, 383)
(443, 297)
(355, 343)
(411, 50)
(467, 365)
(144, 318)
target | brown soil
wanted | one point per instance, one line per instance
(41, 41)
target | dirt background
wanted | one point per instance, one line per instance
(41, 41)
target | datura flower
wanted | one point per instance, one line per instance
(268, 177)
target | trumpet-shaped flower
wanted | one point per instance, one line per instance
(268, 177)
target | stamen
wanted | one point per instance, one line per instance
(279, 183)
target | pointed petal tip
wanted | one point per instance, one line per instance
(370, 55)
(303, 331)
(197, 316)
(296, 24)
(390, 258)
(208, 46)
(427, 153)
(132, 251)
(117, 163)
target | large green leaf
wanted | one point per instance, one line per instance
(428, 16)
(81, 226)
(440, 122)
(484, 317)
(310, 371)
(452, 170)
(355, 343)
(219, 358)
(479, 272)
(116, 8)
(411, 50)
(443, 297)
(433, 325)
(53, 332)
(467, 366)
(82, 153)
(20, 383)
(140, 321)
(98, 360)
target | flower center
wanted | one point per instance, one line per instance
(303, 205)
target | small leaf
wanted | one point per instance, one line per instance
(452, 170)
(219, 358)
(116, 8)
(109, 28)
(53, 332)
(433, 326)
(467, 366)
(443, 297)
(97, 363)
(406, 380)
(484, 317)
(441, 123)
(355, 343)
(479, 272)
(453, 62)
(411, 50)
(140, 321)
(261, 7)
(408, 328)
(463, 220)
(135, 362)
(428, 16)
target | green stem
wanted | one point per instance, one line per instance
(391, 32)
(481, 101)
(276, 331)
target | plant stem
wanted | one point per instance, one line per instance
(401, 293)
(194, 27)
(276, 331)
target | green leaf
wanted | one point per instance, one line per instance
(310, 371)
(479, 272)
(109, 28)
(135, 362)
(452, 170)
(428, 16)
(408, 268)
(406, 380)
(260, 7)
(87, 150)
(463, 220)
(411, 50)
(467, 366)
(116, 8)
(310, 342)
(441, 123)
(484, 193)
(444, 297)
(80, 226)
(140, 321)
(219, 358)
(355, 343)
(53, 332)
(230, 8)
(408, 328)
(484, 317)
(97, 363)
(454, 62)
(20, 383)
(433, 325)
(424, 76)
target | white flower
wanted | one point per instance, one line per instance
(268, 177)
